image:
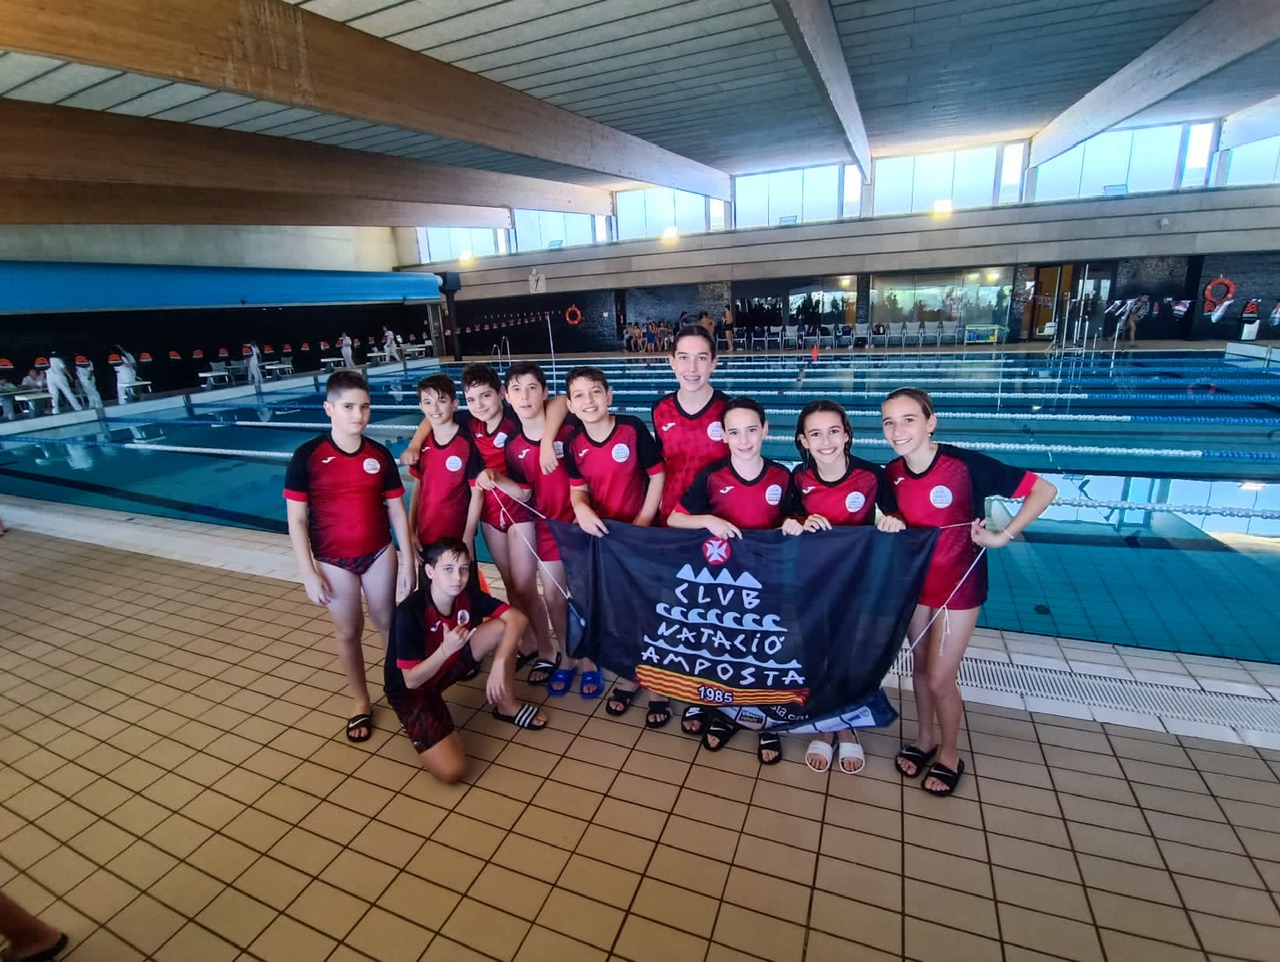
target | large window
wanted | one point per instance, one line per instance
(959, 178)
(787, 196)
(649, 212)
(1128, 161)
(538, 230)
(450, 243)
(852, 191)
(970, 297)
(1255, 163)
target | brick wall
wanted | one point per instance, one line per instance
(665, 303)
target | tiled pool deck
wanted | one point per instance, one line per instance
(175, 786)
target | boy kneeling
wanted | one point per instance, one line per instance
(439, 635)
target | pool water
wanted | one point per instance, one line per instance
(1166, 534)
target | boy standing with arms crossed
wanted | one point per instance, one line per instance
(343, 494)
(615, 473)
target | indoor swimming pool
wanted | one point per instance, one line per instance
(1166, 534)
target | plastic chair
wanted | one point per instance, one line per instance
(790, 335)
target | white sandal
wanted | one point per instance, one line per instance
(823, 749)
(852, 750)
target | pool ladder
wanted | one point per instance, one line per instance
(495, 352)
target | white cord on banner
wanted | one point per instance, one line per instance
(509, 517)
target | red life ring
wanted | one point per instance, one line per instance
(572, 315)
(1212, 299)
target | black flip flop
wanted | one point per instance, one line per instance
(547, 667)
(364, 721)
(769, 742)
(694, 713)
(524, 717)
(721, 728)
(909, 753)
(622, 697)
(657, 706)
(945, 775)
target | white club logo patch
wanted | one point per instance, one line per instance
(500, 439)
(715, 431)
(773, 493)
(372, 466)
(620, 452)
(855, 502)
(453, 463)
(559, 446)
(941, 496)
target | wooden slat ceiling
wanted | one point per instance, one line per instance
(715, 80)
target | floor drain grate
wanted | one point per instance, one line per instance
(1120, 694)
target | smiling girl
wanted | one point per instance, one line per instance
(941, 486)
(835, 489)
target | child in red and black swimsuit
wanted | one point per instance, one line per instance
(743, 491)
(344, 497)
(940, 486)
(835, 489)
(440, 635)
(444, 503)
(615, 473)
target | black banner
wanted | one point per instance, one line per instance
(786, 630)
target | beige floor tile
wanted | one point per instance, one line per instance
(676, 907)
(568, 800)
(856, 921)
(468, 835)
(1041, 893)
(783, 829)
(688, 870)
(481, 927)
(61, 870)
(700, 839)
(642, 939)
(179, 836)
(827, 948)
(1243, 940)
(552, 827)
(759, 934)
(1109, 843)
(328, 909)
(419, 901)
(102, 944)
(285, 940)
(541, 944)
(272, 882)
(634, 819)
(1133, 948)
(1229, 901)
(1195, 831)
(507, 890)
(358, 874)
(581, 918)
(411, 815)
(305, 851)
(444, 950)
(598, 880)
(786, 900)
(1049, 933)
(860, 847)
(958, 910)
(236, 917)
(1138, 917)
(883, 889)
(1125, 878)
(212, 809)
(146, 924)
(1203, 863)
(445, 866)
(186, 890)
(101, 896)
(192, 943)
(142, 864)
(934, 943)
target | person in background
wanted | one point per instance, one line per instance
(254, 367)
(389, 344)
(1138, 311)
(126, 374)
(7, 389)
(58, 381)
(88, 383)
(34, 381)
(345, 345)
